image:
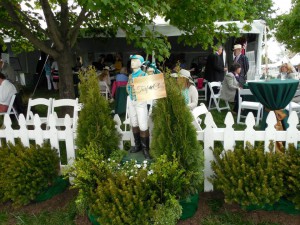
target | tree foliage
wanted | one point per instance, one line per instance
(53, 26)
(288, 28)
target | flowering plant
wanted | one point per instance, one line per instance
(134, 192)
(129, 193)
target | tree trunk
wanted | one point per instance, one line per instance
(65, 63)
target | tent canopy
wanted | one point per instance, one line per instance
(296, 59)
(257, 27)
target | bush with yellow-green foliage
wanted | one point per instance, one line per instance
(291, 174)
(137, 194)
(26, 171)
(129, 193)
(249, 176)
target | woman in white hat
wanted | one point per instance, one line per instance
(105, 76)
(189, 90)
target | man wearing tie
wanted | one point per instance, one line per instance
(243, 61)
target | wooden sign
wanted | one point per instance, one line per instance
(150, 87)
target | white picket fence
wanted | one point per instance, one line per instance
(228, 136)
(38, 135)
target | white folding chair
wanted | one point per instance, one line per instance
(126, 122)
(104, 89)
(11, 109)
(294, 106)
(248, 105)
(216, 97)
(73, 103)
(32, 103)
(198, 111)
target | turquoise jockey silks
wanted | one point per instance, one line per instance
(130, 90)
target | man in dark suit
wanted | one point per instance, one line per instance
(215, 69)
(243, 61)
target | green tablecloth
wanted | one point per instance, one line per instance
(274, 94)
(121, 100)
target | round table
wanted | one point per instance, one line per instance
(274, 94)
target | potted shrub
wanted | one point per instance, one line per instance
(249, 176)
(95, 122)
(131, 193)
(25, 172)
(291, 174)
(175, 135)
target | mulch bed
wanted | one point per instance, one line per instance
(259, 216)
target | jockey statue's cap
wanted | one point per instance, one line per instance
(137, 57)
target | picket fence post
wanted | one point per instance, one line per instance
(69, 138)
(23, 131)
(9, 132)
(208, 154)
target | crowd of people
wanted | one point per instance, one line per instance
(110, 68)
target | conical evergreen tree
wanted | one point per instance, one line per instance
(95, 123)
(174, 133)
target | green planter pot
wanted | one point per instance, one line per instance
(282, 205)
(59, 186)
(93, 219)
(189, 206)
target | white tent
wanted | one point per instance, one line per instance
(296, 59)
(257, 27)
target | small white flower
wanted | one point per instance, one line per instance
(130, 177)
(108, 159)
(138, 165)
(145, 161)
(150, 172)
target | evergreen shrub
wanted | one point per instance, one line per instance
(168, 213)
(249, 176)
(95, 122)
(291, 173)
(174, 134)
(128, 193)
(139, 193)
(26, 171)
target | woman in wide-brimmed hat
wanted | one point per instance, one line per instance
(189, 90)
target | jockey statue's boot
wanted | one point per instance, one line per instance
(145, 143)
(137, 140)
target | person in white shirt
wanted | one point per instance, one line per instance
(189, 90)
(7, 90)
